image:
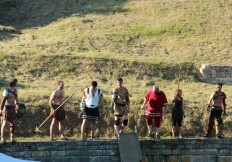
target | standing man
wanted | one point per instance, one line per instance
(93, 99)
(156, 100)
(55, 101)
(121, 101)
(8, 105)
(216, 104)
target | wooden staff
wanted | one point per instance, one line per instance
(37, 128)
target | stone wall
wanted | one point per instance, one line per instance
(165, 150)
(216, 73)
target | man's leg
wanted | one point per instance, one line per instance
(52, 128)
(124, 123)
(180, 128)
(149, 125)
(94, 128)
(116, 124)
(157, 121)
(83, 126)
(180, 131)
(211, 123)
(12, 129)
(61, 130)
(219, 127)
(173, 131)
(2, 129)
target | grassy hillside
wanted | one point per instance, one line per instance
(145, 42)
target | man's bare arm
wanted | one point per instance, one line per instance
(224, 106)
(83, 97)
(144, 102)
(101, 100)
(211, 98)
(51, 99)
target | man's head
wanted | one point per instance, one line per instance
(13, 82)
(119, 82)
(60, 84)
(219, 86)
(156, 88)
(94, 84)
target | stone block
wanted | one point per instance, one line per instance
(71, 147)
(47, 153)
(149, 151)
(225, 152)
(37, 153)
(180, 146)
(71, 152)
(156, 158)
(210, 151)
(110, 152)
(58, 153)
(180, 151)
(94, 152)
(174, 158)
(196, 152)
(187, 158)
(166, 151)
(204, 158)
(25, 154)
(82, 152)
(106, 159)
(109, 147)
(81, 147)
(224, 159)
(49, 148)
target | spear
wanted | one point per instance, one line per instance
(37, 128)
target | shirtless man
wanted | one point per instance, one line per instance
(217, 105)
(8, 105)
(121, 101)
(56, 99)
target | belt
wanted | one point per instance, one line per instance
(216, 107)
(120, 104)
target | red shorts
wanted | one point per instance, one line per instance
(157, 120)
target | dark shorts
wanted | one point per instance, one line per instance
(9, 113)
(60, 113)
(177, 122)
(90, 113)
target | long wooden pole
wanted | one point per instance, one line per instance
(37, 128)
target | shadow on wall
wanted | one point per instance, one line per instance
(20, 14)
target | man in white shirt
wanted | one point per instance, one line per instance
(93, 99)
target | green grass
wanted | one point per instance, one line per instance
(142, 41)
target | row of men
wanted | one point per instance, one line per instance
(92, 101)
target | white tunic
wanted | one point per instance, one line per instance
(92, 101)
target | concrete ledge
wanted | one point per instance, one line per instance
(216, 73)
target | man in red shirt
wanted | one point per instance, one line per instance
(156, 101)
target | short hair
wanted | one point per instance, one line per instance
(13, 82)
(220, 84)
(120, 79)
(59, 81)
(178, 90)
(94, 83)
(155, 86)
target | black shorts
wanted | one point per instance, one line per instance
(90, 113)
